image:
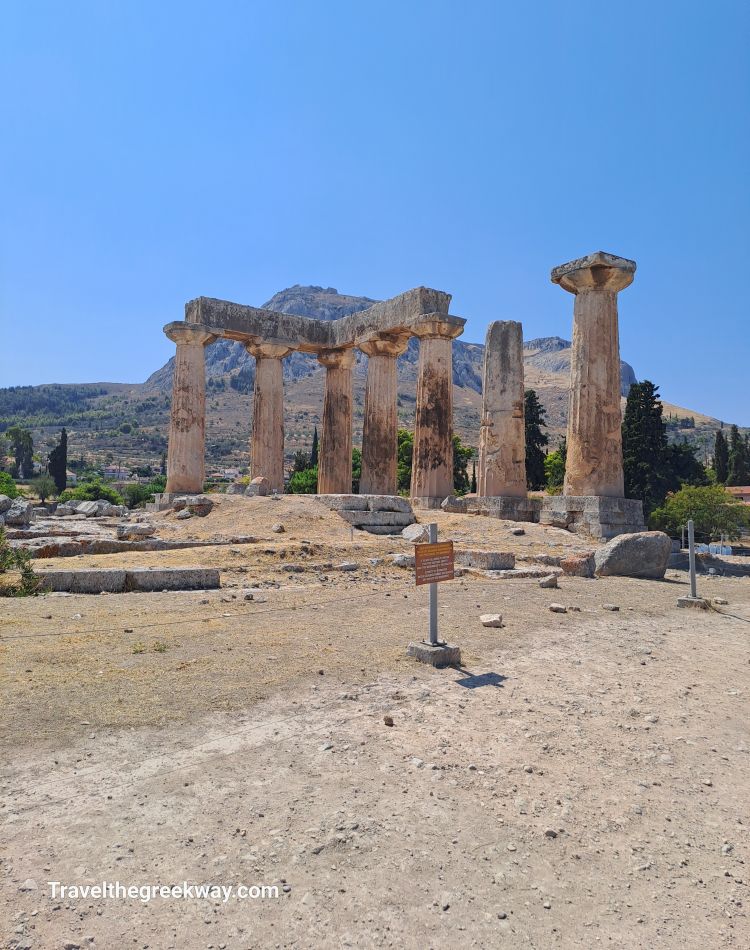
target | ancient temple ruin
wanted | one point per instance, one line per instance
(593, 500)
(382, 333)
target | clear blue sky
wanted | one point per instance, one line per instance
(155, 152)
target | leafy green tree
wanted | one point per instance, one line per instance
(356, 469)
(44, 486)
(304, 483)
(314, 450)
(22, 446)
(681, 467)
(7, 486)
(58, 462)
(461, 455)
(404, 454)
(721, 458)
(301, 462)
(739, 462)
(714, 512)
(554, 471)
(534, 415)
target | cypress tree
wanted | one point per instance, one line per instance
(314, 451)
(534, 414)
(644, 444)
(721, 458)
(739, 463)
(474, 478)
(58, 462)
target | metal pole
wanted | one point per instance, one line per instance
(691, 546)
(433, 595)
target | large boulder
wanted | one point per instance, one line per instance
(19, 514)
(643, 554)
(578, 565)
(5, 503)
(416, 533)
(259, 486)
(139, 529)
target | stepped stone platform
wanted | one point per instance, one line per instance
(376, 514)
(497, 506)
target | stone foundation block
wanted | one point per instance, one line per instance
(503, 507)
(486, 560)
(698, 603)
(96, 581)
(173, 578)
(595, 516)
(441, 654)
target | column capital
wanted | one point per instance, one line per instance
(269, 351)
(378, 344)
(337, 359)
(438, 326)
(180, 332)
(598, 271)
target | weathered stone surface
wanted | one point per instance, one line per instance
(443, 654)
(644, 554)
(5, 503)
(278, 528)
(344, 502)
(200, 505)
(594, 453)
(365, 519)
(258, 486)
(432, 465)
(558, 608)
(267, 437)
(502, 439)
(92, 581)
(186, 453)
(19, 512)
(136, 530)
(172, 578)
(380, 424)
(184, 514)
(595, 516)
(238, 488)
(491, 620)
(388, 503)
(507, 509)
(403, 560)
(578, 565)
(486, 560)
(416, 533)
(698, 603)
(549, 581)
(335, 455)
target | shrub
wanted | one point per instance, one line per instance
(8, 486)
(92, 491)
(18, 561)
(304, 483)
(44, 486)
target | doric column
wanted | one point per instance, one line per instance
(267, 439)
(335, 453)
(187, 424)
(502, 438)
(380, 429)
(594, 460)
(432, 463)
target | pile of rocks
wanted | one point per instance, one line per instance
(91, 509)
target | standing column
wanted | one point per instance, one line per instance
(502, 437)
(267, 439)
(594, 460)
(187, 424)
(335, 454)
(432, 463)
(380, 429)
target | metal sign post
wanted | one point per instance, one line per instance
(691, 555)
(433, 563)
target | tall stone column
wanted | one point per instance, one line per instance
(502, 437)
(432, 463)
(267, 439)
(594, 460)
(380, 429)
(335, 453)
(187, 424)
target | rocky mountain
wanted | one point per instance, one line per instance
(227, 358)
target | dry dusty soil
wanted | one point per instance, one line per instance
(581, 781)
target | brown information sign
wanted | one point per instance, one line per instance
(433, 562)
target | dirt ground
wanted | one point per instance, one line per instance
(581, 781)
